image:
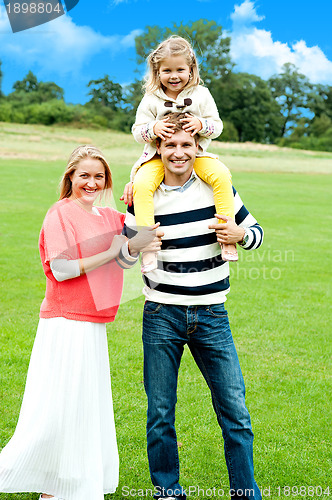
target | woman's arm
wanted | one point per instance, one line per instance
(125, 252)
(64, 269)
(90, 263)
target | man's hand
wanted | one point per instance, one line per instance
(191, 124)
(163, 129)
(228, 232)
(127, 196)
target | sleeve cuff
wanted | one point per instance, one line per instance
(207, 127)
(147, 132)
(125, 260)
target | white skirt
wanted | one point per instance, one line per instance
(65, 443)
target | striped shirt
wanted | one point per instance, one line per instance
(190, 268)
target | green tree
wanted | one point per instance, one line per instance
(320, 125)
(132, 95)
(293, 92)
(28, 84)
(29, 90)
(320, 101)
(1, 94)
(328, 102)
(246, 101)
(48, 91)
(229, 133)
(207, 39)
(105, 93)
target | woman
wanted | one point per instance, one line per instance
(65, 444)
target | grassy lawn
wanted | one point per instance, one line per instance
(279, 309)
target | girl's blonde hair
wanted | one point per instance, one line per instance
(171, 47)
(80, 153)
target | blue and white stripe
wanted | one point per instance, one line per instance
(190, 268)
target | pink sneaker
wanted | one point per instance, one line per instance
(51, 498)
(229, 253)
(149, 262)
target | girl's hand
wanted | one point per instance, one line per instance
(163, 129)
(148, 239)
(191, 124)
(127, 196)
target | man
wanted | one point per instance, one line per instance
(185, 305)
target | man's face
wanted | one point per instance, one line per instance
(178, 154)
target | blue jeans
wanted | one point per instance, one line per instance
(166, 329)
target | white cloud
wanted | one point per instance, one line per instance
(255, 51)
(245, 13)
(117, 2)
(60, 46)
(312, 62)
(129, 40)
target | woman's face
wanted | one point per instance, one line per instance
(88, 180)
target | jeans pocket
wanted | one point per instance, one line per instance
(217, 311)
(152, 307)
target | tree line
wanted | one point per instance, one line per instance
(287, 109)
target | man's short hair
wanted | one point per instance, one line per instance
(175, 119)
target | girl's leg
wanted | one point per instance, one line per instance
(146, 181)
(217, 175)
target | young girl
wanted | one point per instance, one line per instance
(174, 85)
(64, 444)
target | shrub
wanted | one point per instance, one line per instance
(229, 132)
(50, 112)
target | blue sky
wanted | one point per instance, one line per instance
(97, 38)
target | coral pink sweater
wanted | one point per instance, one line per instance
(70, 232)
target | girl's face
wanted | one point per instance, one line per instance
(174, 74)
(88, 180)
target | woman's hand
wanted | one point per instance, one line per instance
(163, 129)
(118, 241)
(148, 239)
(127, 196)
(191, 124)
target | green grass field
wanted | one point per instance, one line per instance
(279, 307)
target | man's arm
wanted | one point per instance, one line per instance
(245, 230)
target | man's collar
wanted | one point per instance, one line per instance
(164, 187)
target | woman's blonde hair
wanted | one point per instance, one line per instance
(171, 47)
(80, 153)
